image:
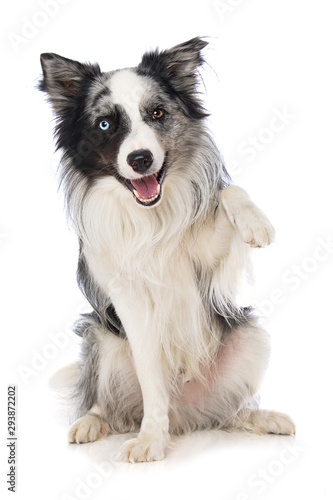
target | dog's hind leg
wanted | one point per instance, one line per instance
(228, 399)
(265, 422)
(88, 428)
(102, 387)
(106, 394)
(242, 364)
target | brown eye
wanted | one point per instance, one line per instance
(157, 114)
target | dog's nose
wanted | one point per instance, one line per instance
(140, 160)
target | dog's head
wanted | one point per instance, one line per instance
(127, 123)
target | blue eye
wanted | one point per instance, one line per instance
(104, 125)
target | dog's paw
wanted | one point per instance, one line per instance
(141, 449)
(280, 423)
(87, 429)
(255, 228)
(252, 223)
(270, 422)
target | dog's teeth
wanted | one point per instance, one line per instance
(147, 200)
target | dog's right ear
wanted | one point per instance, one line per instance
(63, 79)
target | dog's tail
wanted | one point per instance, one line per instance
(64, 379)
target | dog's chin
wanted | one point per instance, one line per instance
(147, 191)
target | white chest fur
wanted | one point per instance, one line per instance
(147, 263)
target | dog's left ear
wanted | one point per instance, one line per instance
(178, 67)
(184, 59)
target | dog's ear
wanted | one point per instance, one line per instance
(63, 79)
(178, 68)
(183, 60)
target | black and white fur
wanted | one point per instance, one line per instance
(166, 349)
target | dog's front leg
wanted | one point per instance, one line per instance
(252, 223)
(145, 344)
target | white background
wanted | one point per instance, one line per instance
(265, 57)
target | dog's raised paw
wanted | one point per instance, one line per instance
(255, 228)
(141, 449)
(88, 429)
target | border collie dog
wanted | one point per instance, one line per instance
(164, 241)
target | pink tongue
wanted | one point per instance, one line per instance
(146, 186)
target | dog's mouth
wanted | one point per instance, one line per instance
(147, 190)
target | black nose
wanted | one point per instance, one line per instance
(140, 160)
